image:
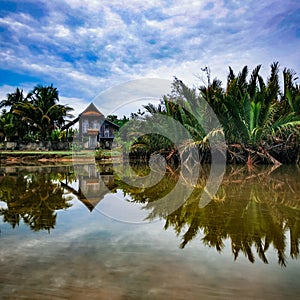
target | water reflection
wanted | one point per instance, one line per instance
(95, 181)
(254, 209)
(33, 197)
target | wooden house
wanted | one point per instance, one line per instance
(94, 130)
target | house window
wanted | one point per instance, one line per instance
(85, 126)
(106, 131)
(96, 125)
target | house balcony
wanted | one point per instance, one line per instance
(106, 135)
(92, 131)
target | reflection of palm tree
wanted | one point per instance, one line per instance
(34, 198)
(257, 212)
(11, 190)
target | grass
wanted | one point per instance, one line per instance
(33, 155)
(38, 154)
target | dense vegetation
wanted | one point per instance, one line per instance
(259, 120)
(36, 116)
(116, 120)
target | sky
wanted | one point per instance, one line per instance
(89, 49)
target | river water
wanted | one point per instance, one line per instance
(82, 232)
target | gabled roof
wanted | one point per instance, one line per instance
(92, 110)
(112, 124)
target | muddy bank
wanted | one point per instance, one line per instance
(34, 158)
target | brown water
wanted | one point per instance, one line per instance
(85, 234)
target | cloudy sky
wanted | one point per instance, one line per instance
(85, 47)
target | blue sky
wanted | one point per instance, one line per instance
(84, 47)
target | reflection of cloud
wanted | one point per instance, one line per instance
(3, 205)
(122, 210)
(127, 259)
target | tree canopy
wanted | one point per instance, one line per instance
(34, 116)
(259, 120)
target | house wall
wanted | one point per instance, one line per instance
(105, 136)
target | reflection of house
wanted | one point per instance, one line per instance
(94, 128)
(93, 186)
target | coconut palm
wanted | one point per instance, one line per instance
(13, 125)
(42, 112)
(7, 126)
(12, 99)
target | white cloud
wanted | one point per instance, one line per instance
(8, 89)
(129, 96)
(113, 21)
(86, 46)
(78, 104)
(61, 31)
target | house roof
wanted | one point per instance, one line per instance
(112, 124)
(92, 110)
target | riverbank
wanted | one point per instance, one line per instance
(42, 156)
(33, 157)
(235, 154)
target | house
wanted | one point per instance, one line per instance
(94, 130)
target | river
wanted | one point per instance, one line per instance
(82, 232)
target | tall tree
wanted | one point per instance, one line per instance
(42, 111)
(12, 124)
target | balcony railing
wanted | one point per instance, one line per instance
(106, 136)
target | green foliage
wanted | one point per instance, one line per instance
(253, 113)
(35, 115)
(116, 120)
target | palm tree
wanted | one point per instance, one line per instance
(13, 99)
(14, 126)
(42, 112)
(252, 114)
(290, 99)
(189, 108)
(7, 126)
